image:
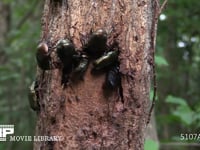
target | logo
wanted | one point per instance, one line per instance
(5, 130)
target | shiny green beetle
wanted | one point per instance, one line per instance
(106, 60)
(32, 96)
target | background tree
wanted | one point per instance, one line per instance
(178, 43)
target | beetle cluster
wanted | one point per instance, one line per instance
(76, 61)
(105, 59)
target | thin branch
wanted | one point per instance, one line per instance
(162, 6)
(158, 10)
(152, 62)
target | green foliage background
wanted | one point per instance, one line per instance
(18, 68)
(177, 61)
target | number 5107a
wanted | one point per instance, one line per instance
(190, 136)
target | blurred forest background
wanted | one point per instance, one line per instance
(177, 109)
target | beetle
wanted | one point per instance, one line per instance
(113, 78)
(108, 59)
(82, 66)
(65, 50)
(113, 81)
(97, 43)
(42, 56)
(33, 98)
(109, 62)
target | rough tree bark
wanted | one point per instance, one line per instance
(81, 113)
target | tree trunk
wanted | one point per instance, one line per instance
(81, 113)
(4, 28)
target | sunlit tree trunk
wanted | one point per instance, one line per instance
(81, 113)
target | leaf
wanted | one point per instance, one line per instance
(183, 111)
(151, 145)
(185, 114)
(176, 100)
(161, 61)
(170, 118)
(196, 119)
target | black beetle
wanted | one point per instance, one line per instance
(113, 78)
(97, 43)
(66, 51)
